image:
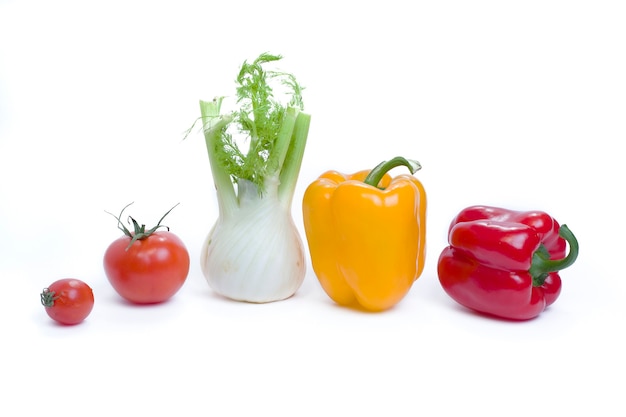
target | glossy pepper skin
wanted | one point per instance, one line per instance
(505, 263)
(367, 243)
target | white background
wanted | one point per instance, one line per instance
(508, 103)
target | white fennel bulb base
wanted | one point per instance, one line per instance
(255, 254)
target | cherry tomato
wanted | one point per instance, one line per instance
(68, 301)
(146, 267)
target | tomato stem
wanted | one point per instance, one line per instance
(139, 232)
(48, 297)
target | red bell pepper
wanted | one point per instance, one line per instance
(505, 263)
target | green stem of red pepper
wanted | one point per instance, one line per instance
(377, 174)
(542, 265)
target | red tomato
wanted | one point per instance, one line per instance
(68, 301)
(146, 266)
(151, 270)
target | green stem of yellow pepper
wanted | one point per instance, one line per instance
(377, 174)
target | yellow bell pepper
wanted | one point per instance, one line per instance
(366, 234)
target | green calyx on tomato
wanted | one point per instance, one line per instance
(140, 232)
(48, 297)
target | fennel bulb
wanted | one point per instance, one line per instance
(254, 252)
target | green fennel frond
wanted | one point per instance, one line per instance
(258, 119)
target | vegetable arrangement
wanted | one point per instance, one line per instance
(366, 234)
(366, 231)
(254, 252)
